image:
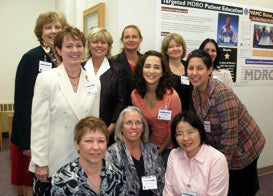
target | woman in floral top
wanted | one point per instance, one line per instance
(90, 174)
(144, 167)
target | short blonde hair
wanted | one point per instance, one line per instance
(99, 34)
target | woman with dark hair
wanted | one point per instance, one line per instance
(229, 126)
(155, 96)
(210, 46)
(194, 167)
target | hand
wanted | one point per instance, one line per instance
(27, 153)
(42, 173)
(111, 128)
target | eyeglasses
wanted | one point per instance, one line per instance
(188, 133)
(131, 123)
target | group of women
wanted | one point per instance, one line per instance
(150, 148)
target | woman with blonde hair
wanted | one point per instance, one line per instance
(174, 50)
(111, 75)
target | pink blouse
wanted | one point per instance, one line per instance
(206, 174)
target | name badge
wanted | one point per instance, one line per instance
(187, 193)
(149, 182)
(185, 80)
(164, 114)
(207, 126)
(44, 66)
(91, 88)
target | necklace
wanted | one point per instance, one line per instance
(74, 83)
(76, 77)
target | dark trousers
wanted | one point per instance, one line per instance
(244, 182)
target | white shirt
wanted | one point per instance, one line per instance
(224, 76)
(89, 67)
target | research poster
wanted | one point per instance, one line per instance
(243, 33)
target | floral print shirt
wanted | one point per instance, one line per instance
(153, 165)
(72, 180)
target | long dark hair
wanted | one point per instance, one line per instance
(218, 51)
(165, 81)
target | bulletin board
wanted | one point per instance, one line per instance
(247, 48)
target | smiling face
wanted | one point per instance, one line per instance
(188, 138)
(211, 49)
(175, 50)
(198, 73)
(99, 48)
(131, 39)
(132, 127)
(49, 32)
(152, 70)
(72, 51)
(92, 147)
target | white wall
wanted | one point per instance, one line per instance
(18, 19)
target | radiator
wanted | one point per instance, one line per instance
(6, 110)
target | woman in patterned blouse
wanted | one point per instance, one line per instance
(229, 126)
(140, 158)
(89, 174)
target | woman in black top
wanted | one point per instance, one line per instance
(174, 50)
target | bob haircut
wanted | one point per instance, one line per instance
(119, 123)
(46, 18)
(99, 34)
(178, 39)
(89, 123)
(71, 32)
(202, 55)
(192, 119)
(165, 81)
(218, 51)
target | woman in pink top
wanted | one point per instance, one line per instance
(194, 168)
(156, 98)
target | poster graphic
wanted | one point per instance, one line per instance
(227, 29)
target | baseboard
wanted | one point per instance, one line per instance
(265, 170)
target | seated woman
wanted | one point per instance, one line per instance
(144, 167)
(194, 168)
(89, 174)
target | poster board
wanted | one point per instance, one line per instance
(247, 52)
